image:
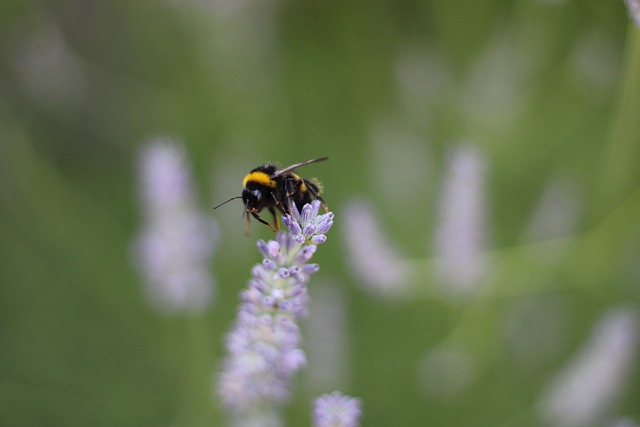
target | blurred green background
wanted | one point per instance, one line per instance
(544, 90)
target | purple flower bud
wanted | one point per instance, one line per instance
(292, 224)
(310, 268)
(309, 229)
(318, 239)
(306, 214)
(305, 254)
(296, 290)
(336, 410)
(315, 207)
(274, 249)
(269, 265)
(258, 271)
(283, 272)
(325, 223)
(251, 295)
(264, 248)
(269, 301)
(294, 270)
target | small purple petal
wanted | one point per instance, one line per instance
(264, 248)
(251, 295)
(324, 224)
(283, 272)
(317, 239)
(269, 264)
(284, 241)
(293, 226)
(296, 213)
(306, 214)
(305, 254)
(310, 268)
(259, 272)
(274, 249)
(296, 290)
(315, 206)
(309, 229)
(269, 301)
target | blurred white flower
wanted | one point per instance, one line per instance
(460, 241)
(374, 260)
(584, 391)
(174, 247)
(622, 422)
(634, 10)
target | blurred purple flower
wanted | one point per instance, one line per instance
(264, 344)
(622, 422)
(634, 10)
(336, 410)
(374, 259)
(587, 388)
(460, 236)
(175, 245)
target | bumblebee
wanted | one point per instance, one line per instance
(267, 187)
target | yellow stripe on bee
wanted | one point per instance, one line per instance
(303, 187)
(258, 178)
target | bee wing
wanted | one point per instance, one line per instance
(294, 166)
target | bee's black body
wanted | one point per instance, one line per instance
(266, 187)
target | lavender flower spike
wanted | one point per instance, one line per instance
(336, 410)
(174, 248)
(264, 345)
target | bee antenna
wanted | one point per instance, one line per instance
(227, 201)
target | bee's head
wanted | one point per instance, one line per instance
(253, 199)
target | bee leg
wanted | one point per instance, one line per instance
(276, 222)
(256, 216)
(324, 205)
(247, 224)
(291, 188)
(283, 209)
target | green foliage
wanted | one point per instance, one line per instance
(543, 89)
